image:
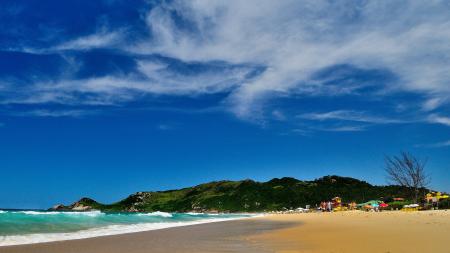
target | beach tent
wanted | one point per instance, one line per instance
(370, 203)
(337, 204)
(412, 207)
(435, 196)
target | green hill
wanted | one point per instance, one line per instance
(247, 196)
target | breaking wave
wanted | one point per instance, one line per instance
(27, 227)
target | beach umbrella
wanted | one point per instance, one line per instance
(383, 205)
(371, 202)
(368, 207)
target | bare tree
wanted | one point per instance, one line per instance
(407, 170)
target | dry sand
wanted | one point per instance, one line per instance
(355, 231)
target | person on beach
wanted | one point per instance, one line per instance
(323, 206)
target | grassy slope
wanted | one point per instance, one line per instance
(248, 195)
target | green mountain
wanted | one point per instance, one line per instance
(247, 196)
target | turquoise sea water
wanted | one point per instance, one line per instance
(22, 227)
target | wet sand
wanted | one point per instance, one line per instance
(228, 236)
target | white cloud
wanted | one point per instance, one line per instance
(346, 115)
(443, 144)
(346, 129)
(165, 127)
(166, 81)
(56, 113)
(434, 145)
(434, 118)
(291, 40)
(278, 115)
(433, 103)
(97, 40)
(295, 39)
(308, 129)
(157, 78)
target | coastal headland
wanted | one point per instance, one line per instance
(247, 196)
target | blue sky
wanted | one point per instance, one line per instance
(106, 98)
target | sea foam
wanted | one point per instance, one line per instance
(158, 213)
(100, 231)
(194, 214)
(90, 213)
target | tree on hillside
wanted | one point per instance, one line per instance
(409, 171)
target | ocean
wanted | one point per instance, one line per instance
(30, 226)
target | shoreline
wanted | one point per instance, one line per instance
(111, 230)
(349, 232)
(221, 236)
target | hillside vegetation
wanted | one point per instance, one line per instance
(247, 196)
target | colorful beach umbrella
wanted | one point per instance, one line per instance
(383, 205)
(371, 202)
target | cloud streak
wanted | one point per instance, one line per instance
(346, 115)
(295, 39)
(259, 51)
(55, 113)
(153, 77)
(100, 39)
(434, 118)
(435, 145)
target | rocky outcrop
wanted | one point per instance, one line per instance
(58, 207)
(133, 209)
(81, 207)
(84, 204)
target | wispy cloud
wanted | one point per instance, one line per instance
(346, 115)
(278, 115)
(165, 127)
(434, 145)
(435, 118)
(345, 129)
(434, 103)
(295, 39)
(55, 113)
(100, 39)
(156, 78)
(290, 42)
(310, 129)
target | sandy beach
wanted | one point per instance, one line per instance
(354, 231)
(357, 231)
